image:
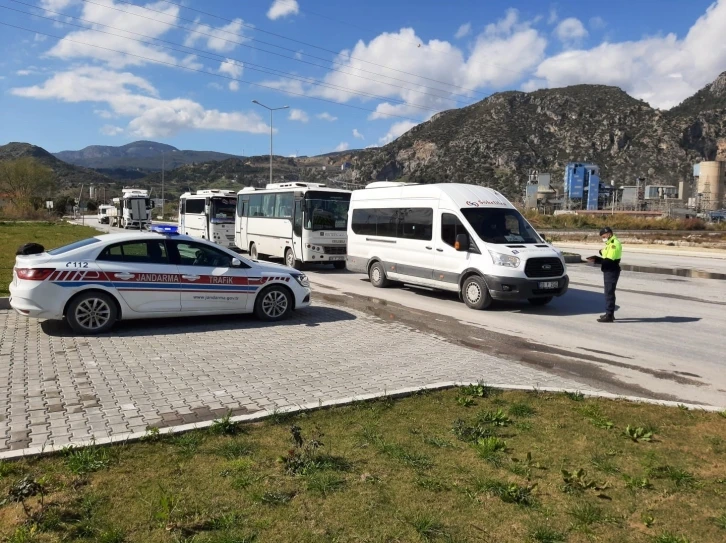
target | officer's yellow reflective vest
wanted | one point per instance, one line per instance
(613, 249)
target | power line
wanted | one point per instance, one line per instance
(222, 76)
(246, 25)
(259, 66)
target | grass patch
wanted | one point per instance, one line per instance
(395, 470)
(48, 234)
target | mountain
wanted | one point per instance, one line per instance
(67, 175)
(144, 156)
(498, 140)
(701, 120)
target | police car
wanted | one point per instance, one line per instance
(97, 281)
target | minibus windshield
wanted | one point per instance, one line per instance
(500, 225)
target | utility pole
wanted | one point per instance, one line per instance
(270, 109)
(163, 164)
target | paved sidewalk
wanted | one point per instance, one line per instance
(57, 389)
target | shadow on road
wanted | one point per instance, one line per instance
(676, 320)
(311, 317)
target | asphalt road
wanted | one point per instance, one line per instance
(668, 340)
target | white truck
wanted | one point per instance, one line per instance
(131, 210)
(103, 213)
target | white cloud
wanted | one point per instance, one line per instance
(342, 146)
(283, 8)
(293, 86)
(464, 30)
(214, 85)
(39, 38)
(110, 130)
(234, 86)
(571, 31)
(553, 17)
(396, 130)
(299, 54)
(190, 61)
(325, 116)
(24, 72)
(645, 68)
(233, 69)
(597, 23)
(220, 39)
(55, 5)
(128, 95)
(92, 42)
(298, 115)
(104, 113)
(357, 134)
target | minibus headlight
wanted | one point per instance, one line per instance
(507, 261)
(302, 279)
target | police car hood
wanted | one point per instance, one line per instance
(269, 267)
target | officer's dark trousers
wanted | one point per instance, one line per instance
(611, 282)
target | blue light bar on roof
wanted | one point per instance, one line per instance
(165, 229)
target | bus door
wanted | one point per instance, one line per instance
(207, 218)
(241, 222)
(182, 214)
(297, 226)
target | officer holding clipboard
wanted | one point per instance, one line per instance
(609, 261)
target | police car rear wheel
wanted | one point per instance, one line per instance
(273, 304)
(92, 313)
(475, 293)
(540, 301)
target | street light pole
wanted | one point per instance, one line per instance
(270, 109)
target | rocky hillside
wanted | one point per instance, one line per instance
(67, 175)
(701, 120)
(145, 156)
(499, 140)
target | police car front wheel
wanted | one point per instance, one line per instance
(273, 304)
(91, 313)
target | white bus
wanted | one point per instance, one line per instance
(461, 238)
(300, 222)
(208, 214)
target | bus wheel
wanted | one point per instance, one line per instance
(377, 276)
(291, 261)
(253, 252)
(475, 293)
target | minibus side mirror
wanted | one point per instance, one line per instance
(462, 242)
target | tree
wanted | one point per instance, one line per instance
(25, 181)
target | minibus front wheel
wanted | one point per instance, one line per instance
(475, 293)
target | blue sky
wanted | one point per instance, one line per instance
(356, 74)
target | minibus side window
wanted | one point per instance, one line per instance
(450, 228)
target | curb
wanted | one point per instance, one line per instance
(400, 393)
(4, 303)
(573, 259)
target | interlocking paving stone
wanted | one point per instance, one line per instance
(57, 388)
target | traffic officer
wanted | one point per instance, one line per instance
(611, 254)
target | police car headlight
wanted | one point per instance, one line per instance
(302, 279)
(507, 261)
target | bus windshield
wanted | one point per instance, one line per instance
(500, 225)
(223, 208)
(326, 210)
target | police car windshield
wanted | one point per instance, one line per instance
(500, 225)
(72, 246)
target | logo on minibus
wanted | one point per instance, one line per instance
(479, 203)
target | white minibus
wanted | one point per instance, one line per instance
(462, 238)
(103, 210)
(208, 214)
(300, 222)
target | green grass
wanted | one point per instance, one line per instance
(394, 471)
(49, 234)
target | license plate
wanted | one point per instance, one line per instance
(548, 284)
(337, 258)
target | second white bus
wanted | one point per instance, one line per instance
(300, 222)
(208, 214)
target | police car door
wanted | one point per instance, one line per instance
(210, 282)
(143, 275)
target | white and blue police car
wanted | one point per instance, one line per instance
(98, 281)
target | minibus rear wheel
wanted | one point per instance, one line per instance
(377, 275)
(475, 293)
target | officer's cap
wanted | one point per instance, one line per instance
(606, 230)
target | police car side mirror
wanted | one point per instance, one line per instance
(236, 263)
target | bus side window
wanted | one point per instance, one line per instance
(240, 207)
(297, 224)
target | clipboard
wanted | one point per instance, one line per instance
(594, 259)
